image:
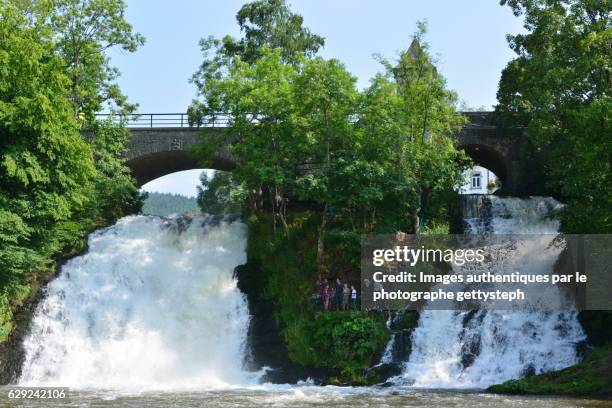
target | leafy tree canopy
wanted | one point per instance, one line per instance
(56, 180)
(46, 167)
(559, 87)
(266, 24)
(270, 23)
(84, 31)
(302, 130)
(220, 194)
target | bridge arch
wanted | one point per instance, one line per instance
(501, 150)
(156, 151)
(489, 158)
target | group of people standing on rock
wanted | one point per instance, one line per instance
(336, 296)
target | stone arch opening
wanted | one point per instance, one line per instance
(151, 166)
(489, 158)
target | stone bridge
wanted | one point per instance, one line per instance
(161, 146)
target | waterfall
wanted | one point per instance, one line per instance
(474, 349)
(152, 305)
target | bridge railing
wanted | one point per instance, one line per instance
(181, 120)
(166, 120)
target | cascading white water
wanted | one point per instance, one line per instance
(152, 305)
(474, 349)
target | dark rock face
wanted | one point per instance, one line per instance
(597, 325)
(381, 373)
(265, 344)
(470, 350)
(470, 336)
(529, 371)
(12, 352)
(402, 325)
(402, 345)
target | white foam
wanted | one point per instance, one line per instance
(152, 305)
(506, 344)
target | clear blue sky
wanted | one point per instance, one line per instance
(467, 37)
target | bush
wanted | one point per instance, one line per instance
(346, 340)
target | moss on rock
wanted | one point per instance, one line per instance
(593, 376)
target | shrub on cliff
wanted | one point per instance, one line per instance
(346, 340)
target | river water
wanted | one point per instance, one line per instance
(306, 396)
(151, 316)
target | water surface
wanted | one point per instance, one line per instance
(306, 396)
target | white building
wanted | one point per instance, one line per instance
(479, 180)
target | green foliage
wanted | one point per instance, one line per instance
(559, 87)
(220, 194)
(270, 23)
(84, 30)
(54, 185)
(115, 191)
(590, 377)
(266, 24)
(302, 134)
(346, 245)
(407, 122)
(289, 283)
(164, 204)
(46, 168)
(346, 340)
(377, 159)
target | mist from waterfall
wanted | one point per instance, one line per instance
(153, 304)
(474, 349)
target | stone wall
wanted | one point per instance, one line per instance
(155, 152)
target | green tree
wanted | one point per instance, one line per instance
(325, 99)
(302, 130)
(408, 123)
(115, 193)
(559, 86)
(60, 170)
(270, 23)
(220, 194)
(85, 30)
(258, 99)
(273, 38)
(46, 168)
(266, 24)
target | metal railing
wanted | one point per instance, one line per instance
(166, 120)
(181, 120)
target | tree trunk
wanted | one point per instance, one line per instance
(320, 239)
(281, 202)
(416, 221)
